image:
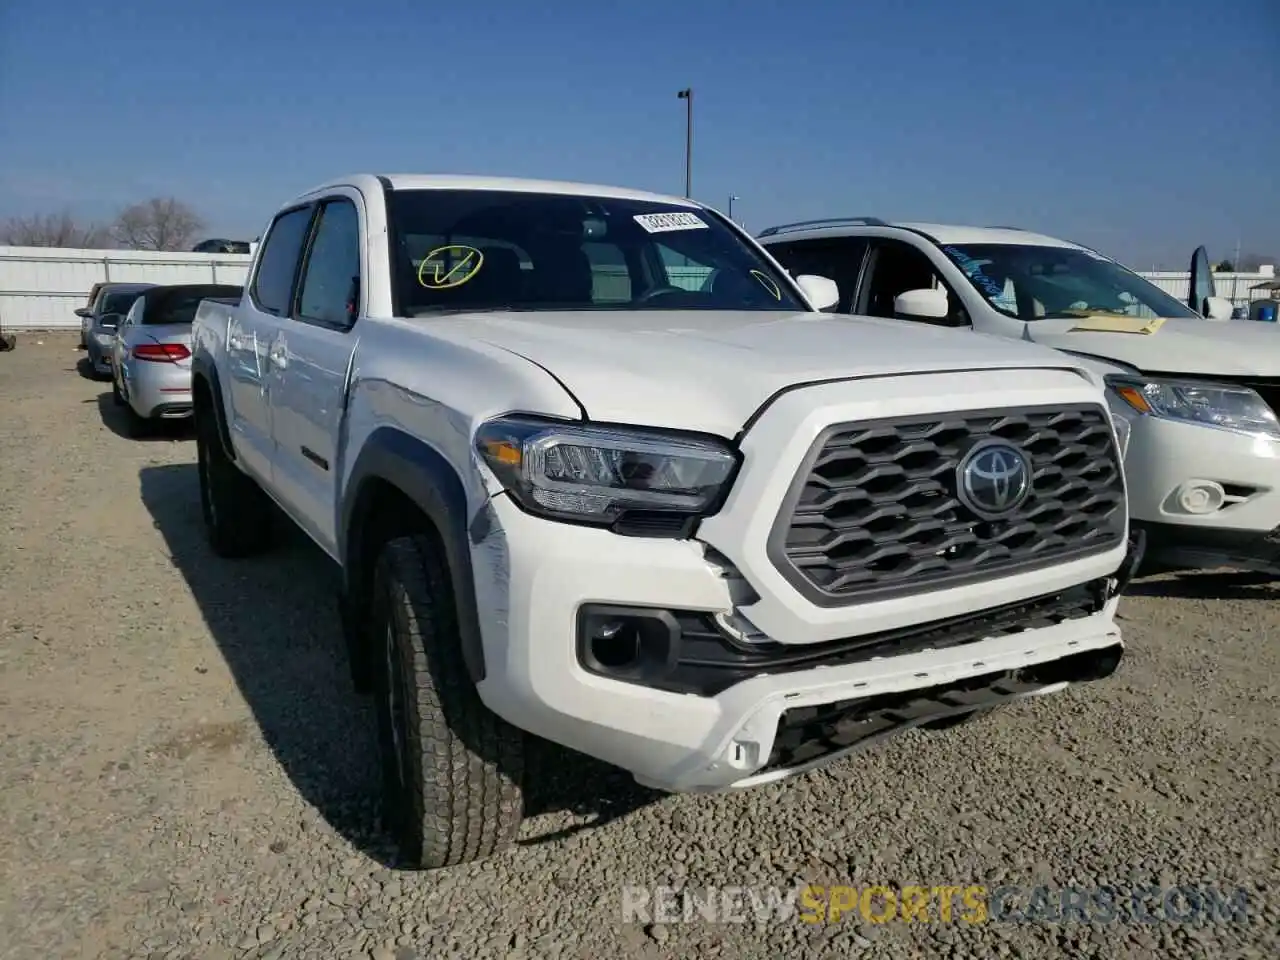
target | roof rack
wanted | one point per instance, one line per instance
(829, 222)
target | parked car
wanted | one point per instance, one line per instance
(698, 530)
(99, 322)
(151, 361)
(1201, 398)
(218, 245)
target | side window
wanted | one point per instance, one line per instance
(331, 277)
(683, 271)
(273, 280)
(839, 259)
(897, 267)
(610, 277)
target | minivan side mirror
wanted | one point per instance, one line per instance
(924, 304)
(84, 313)
(821, 292)
(1217, 308)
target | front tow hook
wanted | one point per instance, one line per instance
(1132, 560)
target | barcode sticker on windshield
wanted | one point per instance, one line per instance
(665, 222)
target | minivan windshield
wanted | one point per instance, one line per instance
(465, 250)
(1043, 283)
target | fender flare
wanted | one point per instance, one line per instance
(433, 485)
(203, 368)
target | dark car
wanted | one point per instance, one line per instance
(99, 320)
(218, 245)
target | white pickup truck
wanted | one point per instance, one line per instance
(595, 469)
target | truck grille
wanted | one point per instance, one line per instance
(876, 509)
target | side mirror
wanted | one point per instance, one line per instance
(110, 320)
(84, 313)
(1217, 308)
(821, 292)
(926, 304)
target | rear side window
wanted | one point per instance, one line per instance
(273, 280)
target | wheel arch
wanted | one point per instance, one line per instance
(398, 485)
(206, 390)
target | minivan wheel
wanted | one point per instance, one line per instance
(452, 769)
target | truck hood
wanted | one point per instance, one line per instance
(710, 370)
(1206, 347)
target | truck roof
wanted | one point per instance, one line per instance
(440, 181)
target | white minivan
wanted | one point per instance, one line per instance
(1203, 458)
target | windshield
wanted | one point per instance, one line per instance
(488, 249)
(1041, 283)
(117, 303)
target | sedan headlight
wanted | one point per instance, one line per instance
(601, 475)
(1211, 404)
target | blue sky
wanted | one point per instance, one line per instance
(1143, 127)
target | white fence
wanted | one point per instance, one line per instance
(41, 287)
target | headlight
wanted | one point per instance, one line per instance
(1212, 404)
(596, 475)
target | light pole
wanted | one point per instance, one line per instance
(687, 96)
(732, 198)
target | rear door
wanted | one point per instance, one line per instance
(312, 354)
(253, 328)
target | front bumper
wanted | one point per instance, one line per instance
(99, 356)
(533, 578)
(1235, 478)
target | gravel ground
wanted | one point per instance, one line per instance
(187, 774)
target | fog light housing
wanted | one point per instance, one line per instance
(627, 643)
(1199, 497)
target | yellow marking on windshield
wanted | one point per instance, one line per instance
(472, 260)
(767, 282)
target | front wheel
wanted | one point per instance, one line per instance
(452, 769)
(237, 514)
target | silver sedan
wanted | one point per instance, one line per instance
(151, 368)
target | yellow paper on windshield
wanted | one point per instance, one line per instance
(1101, 324)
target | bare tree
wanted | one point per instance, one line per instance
(53, 230)
(161, 223)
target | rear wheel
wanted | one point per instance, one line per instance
(237, 514)
(452, 769)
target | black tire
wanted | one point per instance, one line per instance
(138, 425)
(237, 514)
(116, 395)
(452, 769)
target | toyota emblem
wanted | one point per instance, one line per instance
(993, 479)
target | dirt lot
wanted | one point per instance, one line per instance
(187, 774)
